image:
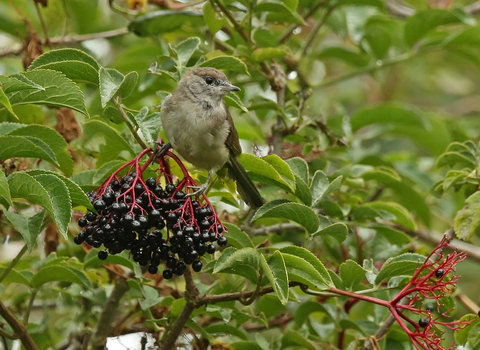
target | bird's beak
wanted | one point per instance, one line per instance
(227, 86)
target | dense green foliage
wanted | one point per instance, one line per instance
(358, 121)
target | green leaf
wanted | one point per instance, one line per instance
(311, 259)
(229, 63)
(53, 139)
(302, 271)
(351, 273)
(237, 237)
(64, 54)
(394, 236)
(276, 273)
(76, 193)
(5, 102)
(295, 339)
(418, 25)
(60, 199)
(268, 53)
(244, 262)
(376, 3)
(296, 212)
(150, 125)
(232, 100)
(278, 12)
(452, 159)
(58, 91)
(402, 265)
(114, 142)
(321, 187)
(4, 189)
(110, 81)
(389, 114)
(470, 332)
(186, 49)
(18, 82)
(305, 309)
(262, 171)
(128, 85)
(28, 226)
(302, 191)
(299, 167)
(400, 215)
(14, 276)
(245, 345)
(222, 328)
(341, 53)
(467, 219)
(282, 168)
(338, 230)
(164, 21)
(26, 146)
(59, 273)
(106, 170)
(210, 16)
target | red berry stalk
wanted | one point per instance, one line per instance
(155, 224)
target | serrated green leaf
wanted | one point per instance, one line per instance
(456, 159)
(244, 262)
(58, 91)
(14, 276)
(84, 179)
(76, 193)
(282, 168)
(4, 189)
(305, 309)
(351, 273)
(110, 81)
(302, 191)
(262, 171)
(106, 170)
(60, 199)
(299, 167)
(276, 273)
(311, 259)
(128, 84)
(26, 146)
(210, 16)
(296, 212)
(232, 100)
(245, 345)
(15, 83)
(94, 261)
(28, 226)
(318, 186)
(302, 271)
(185, 50)
(338, 230)
(400, 214)
(58, 273)
(150, 125)
(467, 219)
(5, 102)
(402, 265)
(237, 237)
(53, 139)
(164, 21)
(74, 70)
(470, 332)
(64, 54)
(394, 236)
(229, 63)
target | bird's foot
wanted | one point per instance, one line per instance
(199, 190)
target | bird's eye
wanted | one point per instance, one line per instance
(209, 80)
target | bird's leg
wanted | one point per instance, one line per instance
(202, 188)
(165, 147)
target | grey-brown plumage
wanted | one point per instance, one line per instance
(200, 128)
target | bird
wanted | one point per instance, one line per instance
(200, 128)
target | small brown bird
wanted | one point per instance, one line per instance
(200, 128)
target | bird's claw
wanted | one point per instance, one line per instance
(165, 147)
(199, 190)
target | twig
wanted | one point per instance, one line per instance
(29, 307)
(290, 29)
(232, 19)
(15, 50)
(13, 263)
(129, 123)
(42, 22)
(278, 129)
(468, 303)
(18, 328)
(315, 31)
(105, 322)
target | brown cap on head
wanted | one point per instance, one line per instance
(203, 72)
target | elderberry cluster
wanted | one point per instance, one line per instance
(156, 225)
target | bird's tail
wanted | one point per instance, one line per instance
(246, 188)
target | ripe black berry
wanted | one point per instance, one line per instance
(151, 183)
(78, 239)
(138, 188)
(102, 254)
(153, 269)
(210, 249)
(430, 307)
(82, 222)
(423, 322)
(180, 195)
(170, 188)
(135, 225)
(115, 207)
(222, 241)
(197, 265)
(99, 205)
(219, 228)
(115, 185)
(91, 216)
(180, 268)
(108, 198)
(167, 274)
(439, 273)
(171, 262)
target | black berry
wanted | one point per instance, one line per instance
(167, 274)
(102, 254)
(423, 322)
(439, 273)
(197, 265)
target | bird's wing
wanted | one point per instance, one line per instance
(232, 142)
